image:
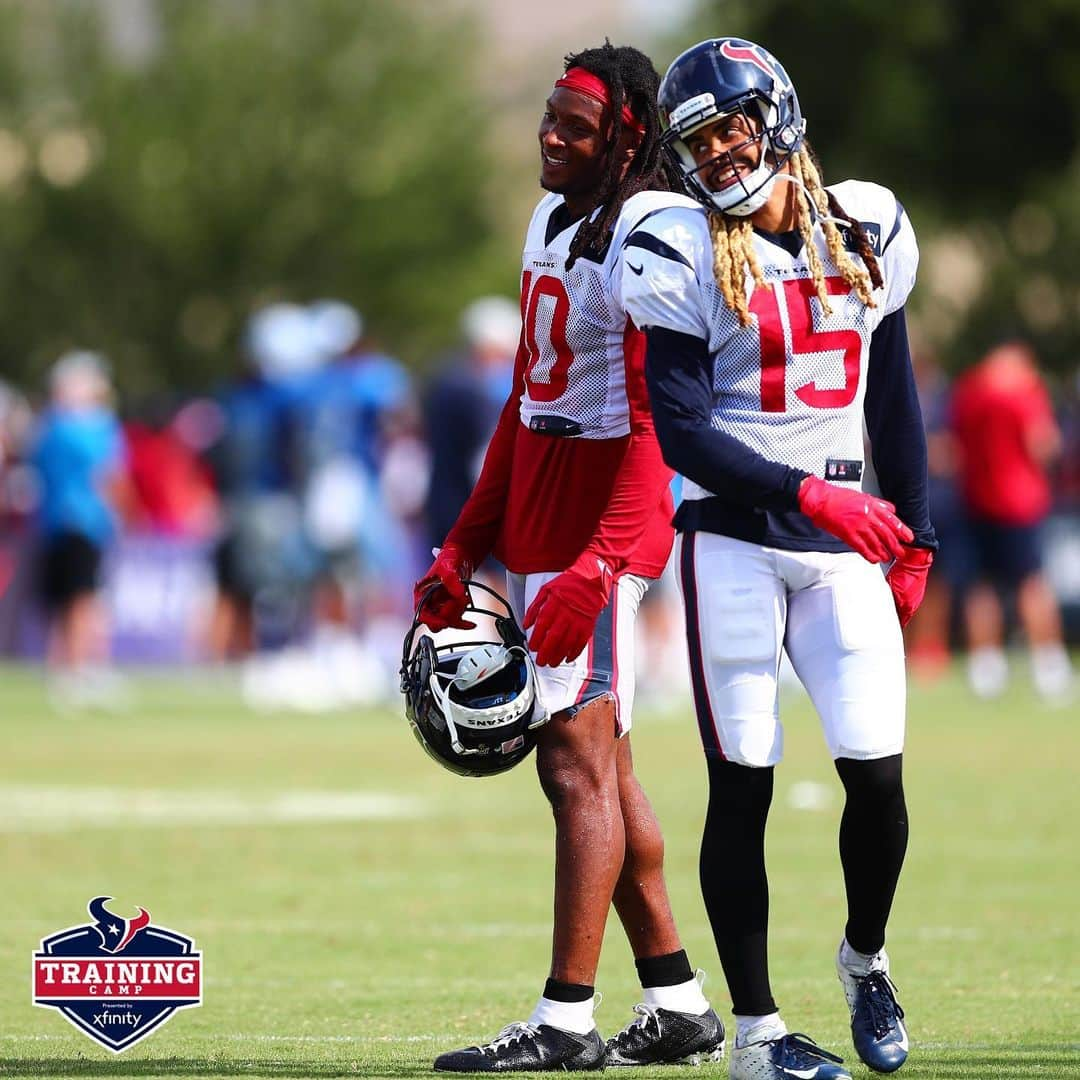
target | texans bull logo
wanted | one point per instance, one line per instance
(115, 932)
(117, 979)
(749, 53)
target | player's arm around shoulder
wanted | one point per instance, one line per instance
(661, 265)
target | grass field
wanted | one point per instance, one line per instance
(359, 910)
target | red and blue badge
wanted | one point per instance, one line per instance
(117, 979)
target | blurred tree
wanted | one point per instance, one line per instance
(158, 181)
(970, 111)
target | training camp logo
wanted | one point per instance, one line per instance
(117, 979)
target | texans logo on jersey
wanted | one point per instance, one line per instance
(117, 979)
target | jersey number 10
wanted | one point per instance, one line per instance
(546, 371)
(796, 295)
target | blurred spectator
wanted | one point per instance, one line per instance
(16, 424)
(316, 465)
(17, 497)
(172, 487)
(350, 436)
(462, 406)
(260, 554)
(343, 419)
(78, 456)
(1006, 437)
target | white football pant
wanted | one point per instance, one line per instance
(832, 612)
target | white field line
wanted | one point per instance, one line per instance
(1001, 1047)
(62, 809)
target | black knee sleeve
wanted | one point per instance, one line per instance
(873, 841)
(733, 880)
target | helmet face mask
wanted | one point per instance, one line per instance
(744, 194)
(473, 705)
(717, 78)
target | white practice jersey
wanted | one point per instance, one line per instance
(791, 384)
(574, 321)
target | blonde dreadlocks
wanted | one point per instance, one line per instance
(733, 255)
(733, 247)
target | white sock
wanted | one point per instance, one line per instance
(685, 997)
(1050, 670)
(988, 671)
(751, 1029)
(861, 964)
(575, 1016)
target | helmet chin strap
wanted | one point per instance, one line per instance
(752, 203)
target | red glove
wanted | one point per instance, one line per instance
(907, 579)
(446, 605)
(866, 524)
(563, 615)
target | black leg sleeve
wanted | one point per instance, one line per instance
(873, 840)
(733, 881)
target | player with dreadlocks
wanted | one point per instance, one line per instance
(629, 74)
(774, 315)
(574, 500)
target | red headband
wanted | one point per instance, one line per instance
(585, 82)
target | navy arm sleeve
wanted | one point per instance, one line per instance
(678, 370)
(894, 421)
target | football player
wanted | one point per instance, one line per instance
(774, 316)
(573, 499)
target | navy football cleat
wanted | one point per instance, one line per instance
(793, 1055)
(877, 1020)
(528, 1048)
(666, 1037)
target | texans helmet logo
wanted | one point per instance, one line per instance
(749, 54)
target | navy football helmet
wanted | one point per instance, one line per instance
(474, 705)
(719, 77)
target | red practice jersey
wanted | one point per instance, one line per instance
(574, 464)
(997, 412)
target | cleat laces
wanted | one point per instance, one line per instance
(884, 1009)
(801, 1044)
(641, 1024)
(510, 1035)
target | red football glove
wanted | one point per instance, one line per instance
(866, 524)
(907, 579)
(563, 615)
(446, 605)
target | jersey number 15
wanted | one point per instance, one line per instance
(796, 295)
